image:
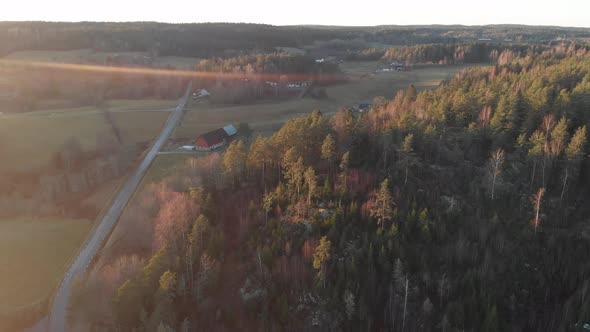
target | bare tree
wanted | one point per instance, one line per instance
(537, 199)
(443, 287)
(405, 303)
(496, 161)
(402, 286)
(483, 119)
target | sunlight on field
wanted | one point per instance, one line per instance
(33, 256)
(165, 165)
(28, 141)
(88, 55)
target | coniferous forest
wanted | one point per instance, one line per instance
(463, 208)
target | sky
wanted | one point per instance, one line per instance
(571, 13)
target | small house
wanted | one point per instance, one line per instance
(201, 94)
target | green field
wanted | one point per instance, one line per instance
(34, 254)
(27, 141)
(89, 56)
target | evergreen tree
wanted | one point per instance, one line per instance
(382, 208)
(312, 184)
(329, 151)
(321, 256)
(344, 165)
(574, 154)
(411, 93)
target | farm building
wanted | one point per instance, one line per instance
(215, 138)
(201, 94)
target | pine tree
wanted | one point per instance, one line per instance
(234, 160)
(535, 153)
(411, 93)
(407, 150)
(344, 165)
(321, 256)
(490, 323)
(495, 164)
(312, 184)
(558, 138)
(259, 155)
(382, 208)
(328, 151)
(574, 154)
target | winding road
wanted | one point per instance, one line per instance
(58, 315)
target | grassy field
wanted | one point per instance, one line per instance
(61, 106)
(265, 117)
(33, 256)
(27, 141)
(34, 253)
(89, 56)
(163, 166)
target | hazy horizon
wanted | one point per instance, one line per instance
(570, 13)
(315, 25)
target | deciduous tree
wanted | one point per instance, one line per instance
(537, 200)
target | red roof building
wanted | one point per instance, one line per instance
(215, 138)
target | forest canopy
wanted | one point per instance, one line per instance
(460, 208)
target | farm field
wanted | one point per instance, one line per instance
(41, 134)
(34, 254)
(265, 117)
(89, 56)
(38, 249)
(51, 107)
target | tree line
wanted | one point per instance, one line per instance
(196, 40)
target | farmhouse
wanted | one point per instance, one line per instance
(215, 138)
(201, 94)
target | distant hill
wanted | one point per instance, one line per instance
(230, 39)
